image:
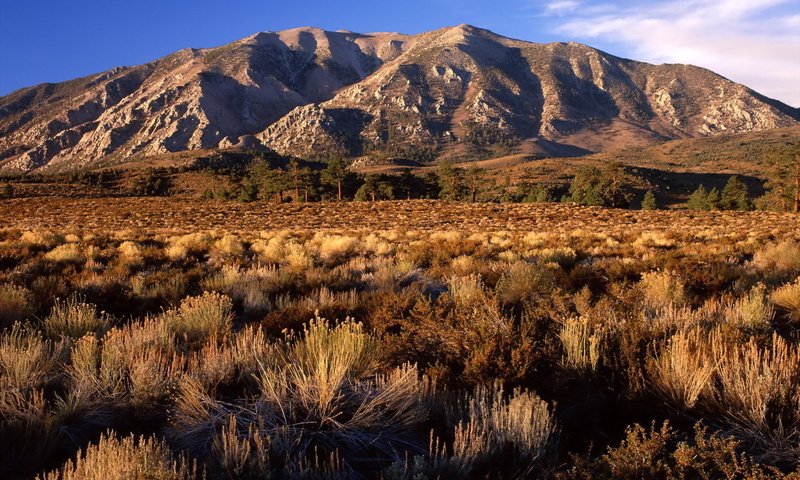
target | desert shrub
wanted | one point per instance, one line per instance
(190, 244)
(662, 290)
(582, 343)
(41, 238)
(662, 453)
(321, 388)
(130, 254)
(787, 298)
(495, 436)
(27, 360)
(783, 256)
(67, 253)
(74, 318)
(337, 248)
(251, 287)
(757, 389)
(493, 422)
(16, 304)
(682, 370)
(752, 310)
(655, 240)
(229, 245)
(523, 281)
(112, 458)
(199, 318)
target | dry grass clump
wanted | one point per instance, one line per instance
(67, 253)
(41, 238)
(16, 304)
(782, 256)
(199, 318)
(317, 393)
(787, 298)
(582, 342)
(682, 371)
(112, 458)
(74, 318)
(662, 290)
(751, 310)
(522, 422)
(758, 391)
(191, 244)
(523, 281)
(336, 248)
(27, 359)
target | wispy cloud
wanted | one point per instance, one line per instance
(562, 6)
(755, 42)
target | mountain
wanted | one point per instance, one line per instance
(457, 92)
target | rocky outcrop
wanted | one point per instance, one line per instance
(313, 93)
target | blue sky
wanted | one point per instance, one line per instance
(756, 42)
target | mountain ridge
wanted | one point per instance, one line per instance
(456, 92)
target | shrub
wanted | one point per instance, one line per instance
(198, 319)
(662, 290)
(27, 360)
(582, 341)
(322, 388)
(662, 452)
(41, 238)
(783, 256)
(73, 318)
(787, 298)
(337, 248)
(524, 281)
(112, 458)
(16, 304)
(681, 372)
(752, 311)
(757, 389)
(495, 437)
(67, 253)
(494, 422)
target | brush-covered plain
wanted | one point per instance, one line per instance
(488, 342)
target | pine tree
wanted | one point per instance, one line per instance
(698, 200)
(735, 195)
(474, 177)
(649, 201)
(606, 187)
(712, 200)
(248, 192)
(450, 183)
(334, 175)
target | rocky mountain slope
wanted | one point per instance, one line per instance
(452, 92)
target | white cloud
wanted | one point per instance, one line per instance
(754, 42)
(562, 6)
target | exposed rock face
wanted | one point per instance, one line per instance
(311, 93)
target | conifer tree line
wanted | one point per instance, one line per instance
(610, 186)
(277, 179)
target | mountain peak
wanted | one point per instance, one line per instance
(450, 93)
